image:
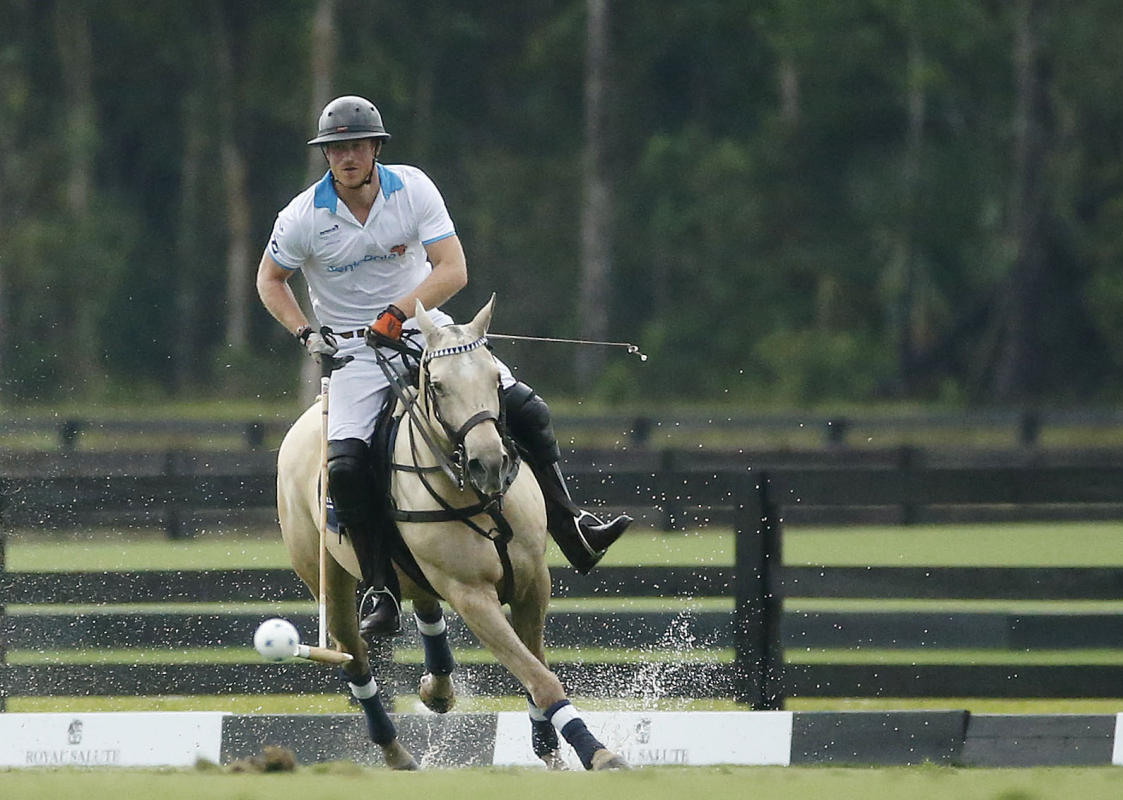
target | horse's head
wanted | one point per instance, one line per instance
(460, 393)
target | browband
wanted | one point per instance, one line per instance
(453, 351)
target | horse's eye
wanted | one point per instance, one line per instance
(437, 387)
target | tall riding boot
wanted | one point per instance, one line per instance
(582, 536)
(353, 492)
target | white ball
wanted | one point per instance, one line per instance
(276, 639)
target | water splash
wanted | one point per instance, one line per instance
(677, 657)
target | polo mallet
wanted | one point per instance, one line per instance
(632, 350)
(324, 655)
(277, 639)
(326, 366)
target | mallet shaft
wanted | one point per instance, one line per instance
(323, 655)
(322, 595)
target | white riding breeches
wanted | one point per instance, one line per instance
(358, 391)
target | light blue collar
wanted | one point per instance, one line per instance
(389, 181)
(326, 197)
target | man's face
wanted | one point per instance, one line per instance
(351, 161)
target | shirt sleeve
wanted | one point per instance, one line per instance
(433, 220)
(286, 244)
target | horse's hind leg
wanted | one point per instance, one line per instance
(344, 627)
(528, 618)
(436, 690)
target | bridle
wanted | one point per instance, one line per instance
(457, 435)
(453, 464)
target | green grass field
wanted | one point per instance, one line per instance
(652, 783)
(1036, 544)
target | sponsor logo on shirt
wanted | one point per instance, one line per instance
(392, 255)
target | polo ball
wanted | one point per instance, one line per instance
(276, 639)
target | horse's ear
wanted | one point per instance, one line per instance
(423, 321)
(482, 319)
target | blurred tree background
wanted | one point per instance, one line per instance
(781, 201)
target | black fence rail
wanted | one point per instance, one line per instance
(777, 679)
(757, 628)
(1013, 426)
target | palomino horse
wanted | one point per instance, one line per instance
(476, 526)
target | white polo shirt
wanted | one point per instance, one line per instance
(355, 270)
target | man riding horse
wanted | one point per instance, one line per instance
(372, 240)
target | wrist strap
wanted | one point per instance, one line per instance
(396, 312)
(304, 333)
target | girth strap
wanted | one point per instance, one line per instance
(500, 535)
(443, 514)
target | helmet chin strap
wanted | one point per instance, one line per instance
(366, 180)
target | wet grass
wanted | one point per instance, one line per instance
(713, 783)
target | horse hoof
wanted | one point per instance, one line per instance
(554, 761)
(437, 692)
(397, 757)
(606, 759)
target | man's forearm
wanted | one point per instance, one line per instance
(278, 299)
(449, 276)
(432, 292)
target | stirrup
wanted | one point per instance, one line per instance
(374, 619)
(595, 537)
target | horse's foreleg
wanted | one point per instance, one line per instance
(481, 611)
(436, 690)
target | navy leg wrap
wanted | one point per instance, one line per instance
(543, 737)
(379, 725)
(438, 655)
(574, 730)
(434, 638)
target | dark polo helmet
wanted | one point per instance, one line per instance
(349, 117)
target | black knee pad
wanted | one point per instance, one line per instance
(529, 421)
(351, 483)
